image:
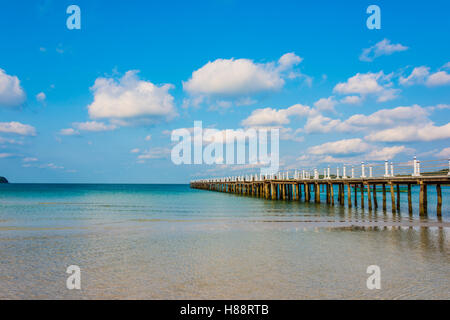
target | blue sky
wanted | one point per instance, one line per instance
(391, 102)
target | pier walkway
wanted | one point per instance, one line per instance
(308, 184)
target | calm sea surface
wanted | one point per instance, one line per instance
(169, 241)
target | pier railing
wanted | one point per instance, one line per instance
(413, 168)
(365, 176)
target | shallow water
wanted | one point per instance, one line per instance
(170, 241)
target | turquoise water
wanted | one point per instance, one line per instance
(170, 241)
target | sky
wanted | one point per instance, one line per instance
(98, 104)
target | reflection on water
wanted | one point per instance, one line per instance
(156, 241)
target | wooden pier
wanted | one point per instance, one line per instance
(303, 187)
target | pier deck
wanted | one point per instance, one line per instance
(308, 189)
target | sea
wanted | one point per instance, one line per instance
(161, 241)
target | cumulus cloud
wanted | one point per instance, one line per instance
(6, 155)
(348, 151)
(325, 104)
(382, 48)
(390, 117)
(340, 147)
(239, 78)
(422, 75)
(444, 153)
(129, 98)
(351, 100)
(384, 118)
(50, 166)
(418, 75)
(17, 128)
(439, 78)
(11, 93)
(364, 84)
(233, 77)
(428, 132)
(318, 123)
(288, 60)
(387, 153)
(155, 153)
(269, 116)
(68, 132)
(93, 126)
(9, 141)
(41, 97)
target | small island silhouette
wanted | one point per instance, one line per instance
(3, 180)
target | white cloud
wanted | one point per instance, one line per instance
(155, 153)
(347, 151)
(390, 117)
(239, 77)
(322, 124)
(288, 60)
(439, 78)
(17, 128)
(269, 116)
(135, 150)
(93, 126)
(341, 147)
(129, 98)
(444, 153)
(233, 77)
(11, 93)
(41, 97)
(422, 75)
(418, 75)
(368, 84)
(351, 100)
(428, 132)
(383, 118)
(382, 48)
(68, 132)
(387, 153)
(29, 159)
(388, 94)
(325, 104)
(148, 138)
(6, 155)
(50, 166)
(10, 141)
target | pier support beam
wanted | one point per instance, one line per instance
(423, 208)
(328, 193)
(332, 194)
(439, 200)
(317, 192)
(349, 195)
(369, 197)
(362, 195)
(409, 199)
(374, 192)
(273, 191)
(391, 185)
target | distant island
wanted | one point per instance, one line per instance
(3, 180)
